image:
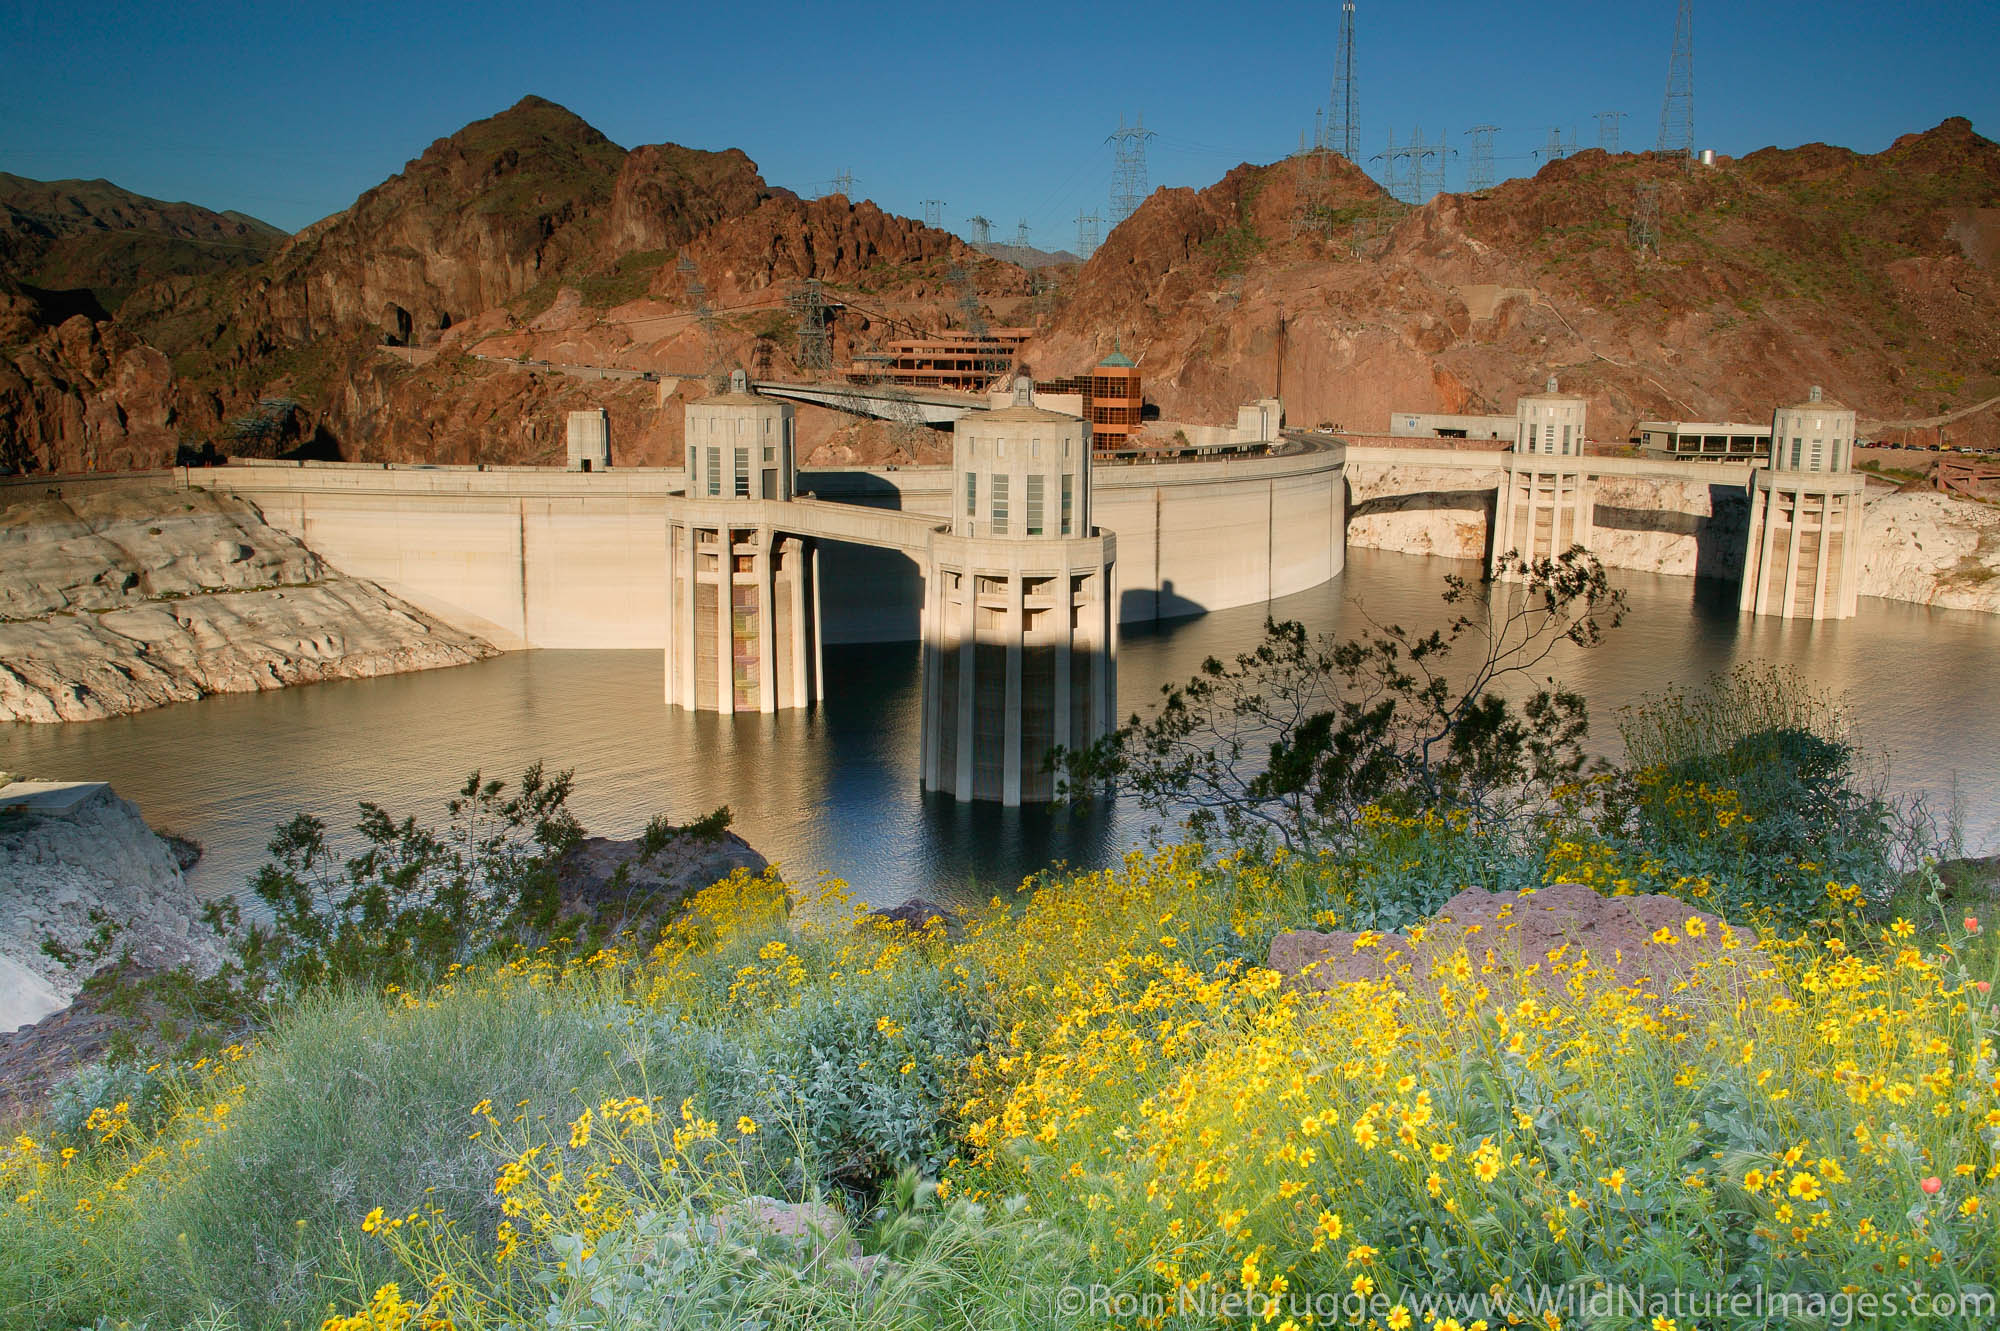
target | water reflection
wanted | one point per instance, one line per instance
(836, 789)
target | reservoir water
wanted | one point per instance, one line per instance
(835, 790)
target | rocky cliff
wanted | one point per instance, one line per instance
(525, 235)
(82, 872)
(114, 601)
(530, 234)
(1874, 275)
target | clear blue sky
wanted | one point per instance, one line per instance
(288, 111)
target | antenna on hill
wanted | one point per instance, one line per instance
(934, 214)
(1343, 120)
(1677, 110)
(1607, 129)
(1479, 169)
(982, 229)
(1128, 173)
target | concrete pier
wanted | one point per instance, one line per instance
(1805, 516)
(1019, 624)
(1545, 501)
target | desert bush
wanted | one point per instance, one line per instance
(416, 901)
(1290, 741)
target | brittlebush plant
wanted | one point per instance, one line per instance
(1095, 1083)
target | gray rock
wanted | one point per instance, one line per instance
(1513, 931)
(612, 883)
(75, 859)
(916, 913)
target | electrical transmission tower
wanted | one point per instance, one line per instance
(1343, 122)
(807, 300)
(1021, 233)
(841, 184)
(1415, 170)
(1644, 229)
(1087, 231)
(1677, 110)
(1607, 129)
(1128, 172)
(1557, 147)
(697, 292)
(1394, 162)
(1428, 163)
(934, 213)
(1479, 167)
(982, 229)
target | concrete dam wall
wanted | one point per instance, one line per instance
(529, 557)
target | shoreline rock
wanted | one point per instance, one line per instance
(118, 601)
(81, 870)
(615, 883)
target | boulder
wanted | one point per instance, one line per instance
(79, 868)
(615, 883)
(1652, 940)
(916, 913)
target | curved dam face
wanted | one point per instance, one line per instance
(1192, 537)
(533, 557)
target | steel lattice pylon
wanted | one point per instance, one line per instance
(1128, 173)
(1677, 110)
(1343, 119)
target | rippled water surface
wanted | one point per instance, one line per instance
(836, 790)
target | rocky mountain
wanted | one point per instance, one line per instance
(83, 246)
(525, 235)
(1877, 276)
(398, 328)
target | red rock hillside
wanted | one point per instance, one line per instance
(1874, 276)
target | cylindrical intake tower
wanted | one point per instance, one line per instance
(743, 612)
(1020, 622)
(1804, 555)
(1545, 497)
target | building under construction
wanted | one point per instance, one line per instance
(956, 362)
